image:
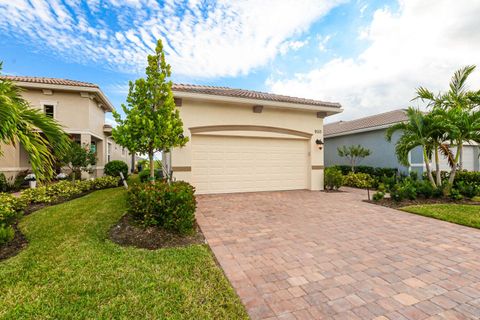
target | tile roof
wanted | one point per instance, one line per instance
(382, 119)
(54, 81)
(249, 94)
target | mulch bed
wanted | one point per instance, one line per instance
(387, 202)
(15, 246)
(128, 233)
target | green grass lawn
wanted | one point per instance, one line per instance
(70, 270)
(467, 215)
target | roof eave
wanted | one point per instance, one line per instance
(329, 109)
(34, 85)
(346, 133)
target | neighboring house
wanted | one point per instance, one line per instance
(370, 133)
(241, 140)
(80, 107)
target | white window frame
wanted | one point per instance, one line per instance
(109, 151)
(54, 104)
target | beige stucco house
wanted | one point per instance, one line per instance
(243, 140)
(80, 107)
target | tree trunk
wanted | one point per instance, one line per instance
(437, 168)
(427, 166)
(152, 167)
(454, 169)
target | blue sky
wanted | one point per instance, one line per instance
(367, 55)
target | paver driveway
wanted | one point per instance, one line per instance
(302, 255)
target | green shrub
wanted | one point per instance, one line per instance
(467, 177)
(424, 188)
(85, 185)
(405, 189)
(6, 234)
(379, 195)
(455, 194)
(3, 183)
(333, 178)
(105, 182)
(10, 210)
(65, 190)
(169, 205)
(358, 180)
(36, 195)
(375, 172)
(145, 174)
(468, 189)
(113, 168)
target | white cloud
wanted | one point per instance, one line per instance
(293, 45)
(421, 44)
(202, 39)
(322, 42)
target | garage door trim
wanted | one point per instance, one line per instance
(202, 129)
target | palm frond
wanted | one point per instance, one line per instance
(447, 153)
(457, 84)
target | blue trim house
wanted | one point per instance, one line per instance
(370, 133)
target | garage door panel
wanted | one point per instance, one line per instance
(242, 164)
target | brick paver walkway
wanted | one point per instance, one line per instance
(312, 255)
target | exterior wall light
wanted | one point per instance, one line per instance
(319, 143)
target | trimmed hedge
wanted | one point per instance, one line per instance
(375, 172)
(169, 205)
(358, 180)
(333, 178)
(113, 168)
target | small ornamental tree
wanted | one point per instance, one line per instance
(79, 158)
(152, 123)
(353, 154)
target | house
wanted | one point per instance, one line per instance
(370, 131)
(80, 107)
(242, 140)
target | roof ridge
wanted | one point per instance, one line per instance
(248, 94)
(370, 116)
(46, 80)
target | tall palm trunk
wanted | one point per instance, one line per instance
(427, 166)
(454, 168)
(437, 168)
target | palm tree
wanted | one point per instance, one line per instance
(42, 137)
(458, 110)
(417, 131)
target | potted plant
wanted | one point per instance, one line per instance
(61, 176)
(32, 180)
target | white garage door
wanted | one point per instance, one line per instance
(243, 164)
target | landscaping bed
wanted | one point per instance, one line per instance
(14, 246)
(388, 202)
(13, 207)
(128, 232)
(70, 270)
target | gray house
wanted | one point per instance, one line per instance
(370, 133)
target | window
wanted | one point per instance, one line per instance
(109, 151)
(123, 151)
(48, 109)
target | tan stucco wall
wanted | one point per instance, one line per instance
(80, 116)
(202, 113)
